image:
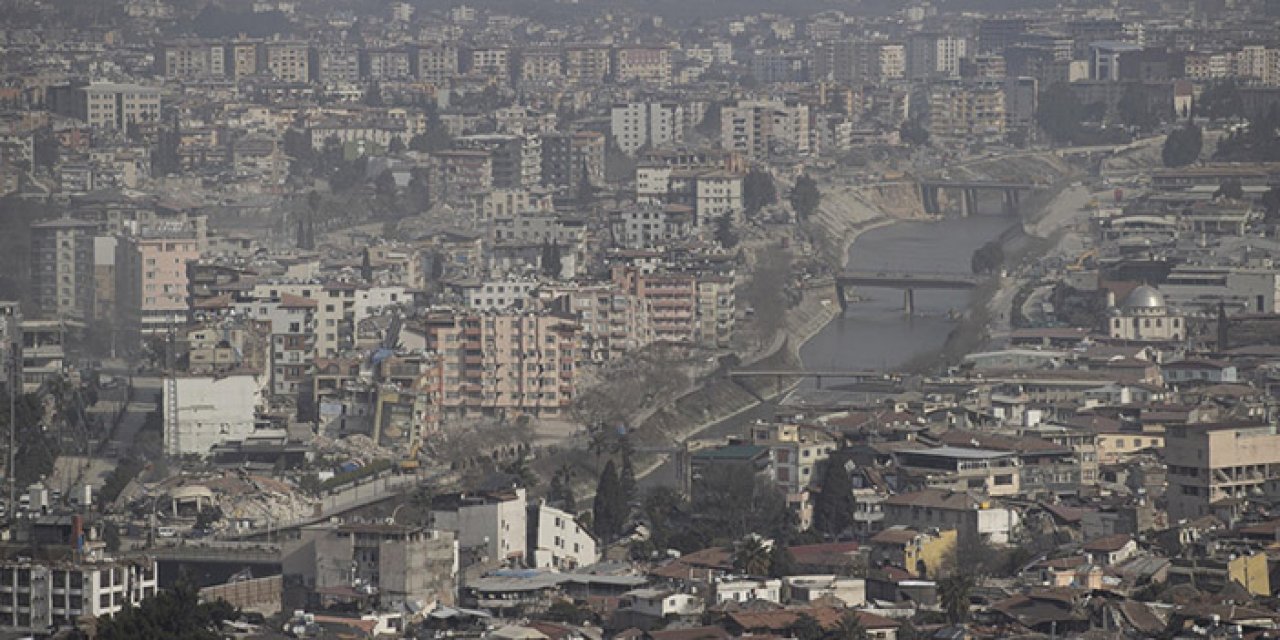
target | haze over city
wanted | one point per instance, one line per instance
(596, 319)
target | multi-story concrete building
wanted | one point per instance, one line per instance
(966, 112)
(192, 60)
(650, 65)
(407, 565)
(491, 527)
(934, 55)
(756, 128)
(287, 61)
(651, 224)
(386, 64)
(151, 281)
(504, 363)
(62, 271)
(570, 158)
(1218, 466)
(558, 541)
(491, 62)
(640, 124)
(108, 105)
(795, 451)
(201, 412)
(41, 596)
(541, 65)
(611, 322)
(437, 63)
(244, 58)
(587, 64)
(338, 64)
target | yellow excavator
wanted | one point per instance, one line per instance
(410, 462)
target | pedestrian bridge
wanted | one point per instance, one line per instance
(1011, 194)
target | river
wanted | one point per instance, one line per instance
(873, 333)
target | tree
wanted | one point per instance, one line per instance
(627, 475)
(751, 557)
(552, 264)
(1271, 205)
(608, 509)
(297, 145)
(1182, 147)
(418, 196)
(833, 510)
(396, 146)
(560, 492)
(914, 133)
(169, 615)
(1134, 109)
(519, 468)
(1060, 113)
(758, 191)
(806, 627)
(724, 232)
(384, 191)
(850, 628)
(988, 258)
(954, 591)
(781, 562)
(805, 197)
(1231, 189)
(1221, 100)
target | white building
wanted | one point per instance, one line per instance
(745, 590)
(635, 125)
(660, 603)
(498, 295)
(38, 597)
(559, 541)
(492, 527)
(203, 411)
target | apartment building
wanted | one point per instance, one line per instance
(244, 58)
(755, 128)
(649, 65)
(491, 62)
(42, 596)
(502, 203)
(671, 300)
(570, 158)
(504, 363)
(491, 527)
(586, 64)
(108, 105)
(386, 64)
(611, 322)
(795, 452)
(650, 224)
(711, 194)
(934, 55)
(1213, 466)
(151, 280)
(437, 63)
(62, 268)
(653, 124)
(541, 65)
(558, 541)
(338, 64)
(192, 60)
(966, 112)
(287, 61)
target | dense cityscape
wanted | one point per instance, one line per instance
(586, 319)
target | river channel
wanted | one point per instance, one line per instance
(873, 332)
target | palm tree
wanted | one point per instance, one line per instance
(954, 590)
(751, 557)
(850, 627)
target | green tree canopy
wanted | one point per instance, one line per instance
(1182, 146)
(805, 197)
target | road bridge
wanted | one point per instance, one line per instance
(905, 280)
(1011, 194)
(817, 374)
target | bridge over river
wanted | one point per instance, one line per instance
(908, 281)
